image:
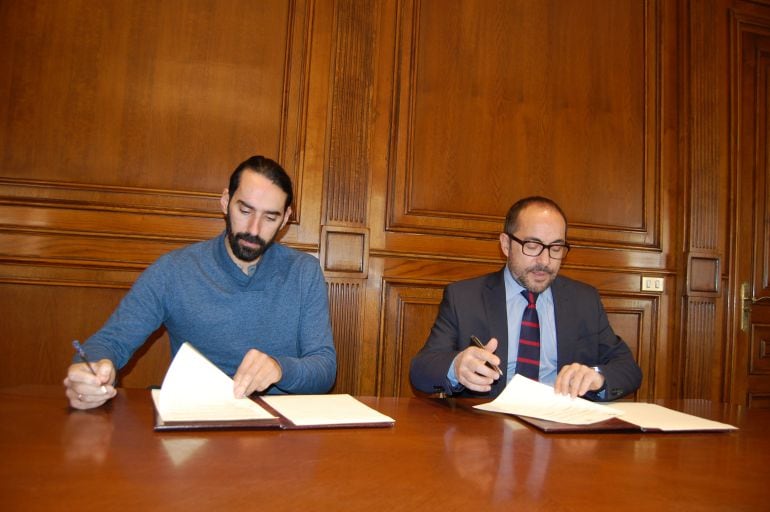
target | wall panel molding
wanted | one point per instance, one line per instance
(699, 347)
(450, 214)
(350, 112)
(634, 317)
(705, 203)
(705, 172)
(409, 310)
(344, 252)
(128, 103)
(296, 80)
(54, 273)
(346, 313)
(90, 196)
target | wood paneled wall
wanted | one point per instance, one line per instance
(409, 128)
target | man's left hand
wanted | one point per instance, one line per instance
(256, 372)
(576, 380)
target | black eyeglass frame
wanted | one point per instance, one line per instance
(565, 246)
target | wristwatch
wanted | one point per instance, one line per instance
(604, 384)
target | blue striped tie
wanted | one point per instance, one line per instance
(528, 358)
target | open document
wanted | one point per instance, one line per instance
(526, 397)
(537, 404)
(326, 410)
(197, 395)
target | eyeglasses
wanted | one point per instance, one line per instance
(534, 248)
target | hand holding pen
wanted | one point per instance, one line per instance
(476, 367)
(82, 355)
(478, 343)
(82, 391)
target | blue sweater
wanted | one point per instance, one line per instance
(201, 296)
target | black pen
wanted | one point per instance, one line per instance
(82, 355)
(478, 343)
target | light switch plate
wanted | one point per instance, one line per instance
(652, 284)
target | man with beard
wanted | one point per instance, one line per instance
(256, 309)
(534, 322)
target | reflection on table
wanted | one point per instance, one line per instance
(440, 455)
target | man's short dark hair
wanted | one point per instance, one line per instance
(512, 218)
(268, 168)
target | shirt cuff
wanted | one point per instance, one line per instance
(451, 377)
(601, 393)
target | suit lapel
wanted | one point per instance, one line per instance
(564, 321)
(497, 320)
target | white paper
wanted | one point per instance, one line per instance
(652, 416)
(526, 397)
(309, 410)
(194, 389)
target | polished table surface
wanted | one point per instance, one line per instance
(440, 455)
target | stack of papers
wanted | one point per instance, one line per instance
(533, 400)
(526, 397)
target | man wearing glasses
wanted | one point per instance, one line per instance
(526, 319)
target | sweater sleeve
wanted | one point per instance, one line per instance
(137, 316)
(314, 370)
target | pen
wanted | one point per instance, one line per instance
(478, 343)
(82, 355)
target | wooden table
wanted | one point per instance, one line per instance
(436, 457)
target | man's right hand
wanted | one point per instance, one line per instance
(86, 390)
(471, 368)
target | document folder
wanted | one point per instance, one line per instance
(289, 412)
(642, 418)
(197, 395)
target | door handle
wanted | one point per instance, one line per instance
(747, 302)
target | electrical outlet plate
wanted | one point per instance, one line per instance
(652, 284)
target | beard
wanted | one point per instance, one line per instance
(244, 253)
(525, 279)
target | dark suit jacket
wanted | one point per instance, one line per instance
(477, 306)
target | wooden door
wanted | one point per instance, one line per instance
(750, 382)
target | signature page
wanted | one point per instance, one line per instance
(525, 397)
